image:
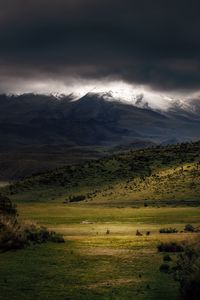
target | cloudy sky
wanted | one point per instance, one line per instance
(55, 45)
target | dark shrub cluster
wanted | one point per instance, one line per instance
(11, 236)
(37, 234)
(189, 228)
(168, 230)
(186, 271)
(138, 233)
(170, 247)
(77, 198)
(15, 235)
(6, 206)
(167, 258)
(165, 268)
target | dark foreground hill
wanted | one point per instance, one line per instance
(158, 176)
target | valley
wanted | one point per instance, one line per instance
(99, 150)
(110, 212)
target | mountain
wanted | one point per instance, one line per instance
(94, 119)
(38, 132)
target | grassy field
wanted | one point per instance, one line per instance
(157, 176)
(102, 257)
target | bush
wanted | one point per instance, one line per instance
(11, 235)
(6, 206)
(189, 228)
(167, 258)
(77, 198)
(170, 247)
(187, 272)
(168, 230)
(138, 233)
(38, 235)
(165, 268)
(15, 235)
(191, 288)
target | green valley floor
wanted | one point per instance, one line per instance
(102, 258)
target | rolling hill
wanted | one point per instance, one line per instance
(153, 176)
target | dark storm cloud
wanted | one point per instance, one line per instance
(148, 42)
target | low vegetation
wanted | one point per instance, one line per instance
(189, 228)
(6, 206)
(167, 258)
(172, 247)
(17, 235)
(186, 270)
(168, 230)
(165, 268)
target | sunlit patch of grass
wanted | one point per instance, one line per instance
(3, 183)
(164, 186)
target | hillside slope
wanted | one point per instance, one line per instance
(170, 174)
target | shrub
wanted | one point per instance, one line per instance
(11, 235)
(165, 268)
(189, 228)
(167, 257)
(6, 206)
(36, 234)
(77, 198)
(138, 233)
(168, 230)
(15, 235)
(187, 272)
(170, 247)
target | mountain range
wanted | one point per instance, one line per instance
(39, 132)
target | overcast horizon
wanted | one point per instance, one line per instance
(59, 46)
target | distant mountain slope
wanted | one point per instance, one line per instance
(58, 126)
(91, 120)
(169, 174)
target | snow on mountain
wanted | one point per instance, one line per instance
(143, 99)
(153, 100)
